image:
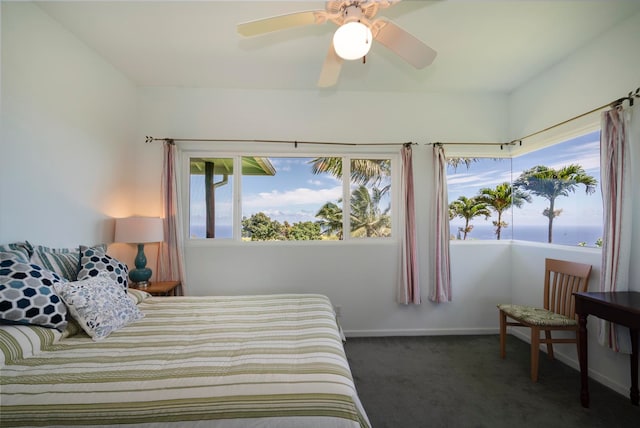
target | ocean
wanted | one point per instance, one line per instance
(563, 235)
(223, 231)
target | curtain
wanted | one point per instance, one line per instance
(408, 281)
(615, 182)
(171, 266)
(440, 288)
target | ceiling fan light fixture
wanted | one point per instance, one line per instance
(352, 40)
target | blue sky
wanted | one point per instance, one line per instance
(578, 208)
(294, 194)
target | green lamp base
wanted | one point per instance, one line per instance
(141, 274)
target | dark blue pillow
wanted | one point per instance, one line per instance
(93, 262)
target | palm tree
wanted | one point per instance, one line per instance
(468, 208)
(550, 183)
(366, 217)
(330, 215)
(455, 162)
(363, 171)
(501, 199)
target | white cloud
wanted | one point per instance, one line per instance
(459, 182)
(589, 162)
(301, 196)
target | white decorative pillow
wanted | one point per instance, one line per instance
(99, 304)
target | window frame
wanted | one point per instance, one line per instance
(276, 151)
(547, 138)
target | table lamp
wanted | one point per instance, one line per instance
(140, 231)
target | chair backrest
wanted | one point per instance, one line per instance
(563, 278)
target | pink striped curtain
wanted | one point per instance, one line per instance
(408, 281)
(171, 255)
(615, 182)
(615, 177)
(440, 288)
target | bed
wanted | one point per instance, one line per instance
(243, 361)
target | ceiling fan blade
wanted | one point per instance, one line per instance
(331, 69)
(403, 44)
(281, 22)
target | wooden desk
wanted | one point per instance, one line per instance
(620, 308)
(161, 288)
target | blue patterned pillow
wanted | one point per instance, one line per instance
(27, 295)
(99, 305)
(93, 262)
(19, 250)
(63, 261)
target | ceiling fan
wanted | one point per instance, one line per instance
(352, 40)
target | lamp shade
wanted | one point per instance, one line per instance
(352, 40)
(139, 230)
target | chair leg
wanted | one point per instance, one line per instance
(535, 353)
(503, 334)
(547, 335)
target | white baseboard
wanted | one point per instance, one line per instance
(420, 332)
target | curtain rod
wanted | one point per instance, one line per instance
(613, 104)
(149, 139)
(456, 143)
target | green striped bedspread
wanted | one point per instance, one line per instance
(241, 361)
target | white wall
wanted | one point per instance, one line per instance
(360, 278)
(73, 156)
(68, 121)
(602, 71)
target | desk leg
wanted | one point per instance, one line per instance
(583, 358)
(634, 366)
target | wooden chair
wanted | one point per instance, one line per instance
(562, 279)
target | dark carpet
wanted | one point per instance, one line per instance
(461, 381)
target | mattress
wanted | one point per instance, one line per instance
(241, 361)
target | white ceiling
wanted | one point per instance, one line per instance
(482, 45)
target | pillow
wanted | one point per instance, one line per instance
(23, 341)
(72, 328)
(137, 296)
(20, 250)
(99, 304)
(27, 295)
(63, 261)
(94, 261)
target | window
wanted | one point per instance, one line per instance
(211, 197)
(287, 198)
(549, 195)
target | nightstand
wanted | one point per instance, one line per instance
(162, 288)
